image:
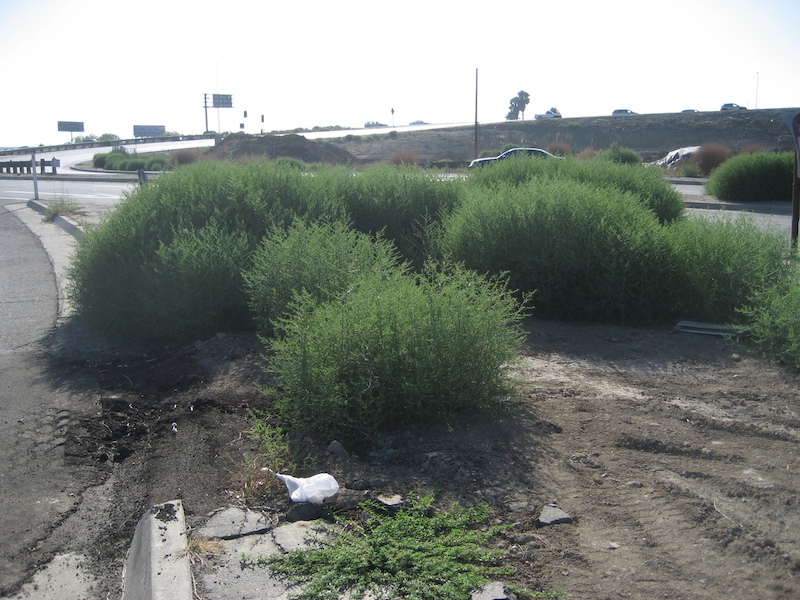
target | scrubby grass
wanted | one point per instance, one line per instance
(589, 253)
(319, 259)
(418, 553)
(63, 204)
(167, 263)
(394, 350)
(723, 262)
(773, 313)
(398, 202)
(589, 237)
(754, 177)
(645, 183)
(618, 154)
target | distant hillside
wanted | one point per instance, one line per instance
(652, 136)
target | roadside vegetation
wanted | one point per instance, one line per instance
(221, 246)
(122, 160)
(392, 297)
(418, 553)
(753, 177)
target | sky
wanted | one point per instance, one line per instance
(114, 65)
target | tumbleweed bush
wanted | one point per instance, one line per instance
(647, 184)
(773, 314)
(394, 349)
(754, 177)
(396, 201)
(724, 261)
(320, 259)
(589, 253)
(167, 263)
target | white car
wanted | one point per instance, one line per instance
(548, 115)
(513, 153)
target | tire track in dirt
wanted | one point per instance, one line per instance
(681, 474)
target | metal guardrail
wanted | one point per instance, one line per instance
(80, 145)
(28, 166)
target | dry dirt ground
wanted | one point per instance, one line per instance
(675, 454)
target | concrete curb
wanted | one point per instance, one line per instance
(65, 223)
(158, 566)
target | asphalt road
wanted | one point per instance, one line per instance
(38, 491)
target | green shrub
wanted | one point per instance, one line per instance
(320, 259)
(394, 350)
(134, 164)
(108, 159)
(156, 163)
(774, 317)
(99, 161)
(399, 202)
(723, 262)
(646, 183)
(757, 177)
(620, 155)
(590, 253)
(689, 169)
(710, 156)
(189, 232)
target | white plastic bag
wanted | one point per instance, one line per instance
(313, 489)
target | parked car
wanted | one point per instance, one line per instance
(514, 152)
(548, 115)
(732, 106)
(369, 124)
(622, 111)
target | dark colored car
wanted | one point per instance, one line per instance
(732, 106)
(514, 152)
(622, 111)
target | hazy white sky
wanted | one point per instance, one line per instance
(113, 65)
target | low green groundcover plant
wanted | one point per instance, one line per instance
(418, 553)
(394, 349)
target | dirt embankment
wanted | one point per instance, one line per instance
(653, 136)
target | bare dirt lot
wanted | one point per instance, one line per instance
(676, 455)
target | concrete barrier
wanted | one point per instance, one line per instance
(158, 566)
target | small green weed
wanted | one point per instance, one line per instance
(418, 553)
(274, 452)
(61, 205)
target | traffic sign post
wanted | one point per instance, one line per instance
(217, 101)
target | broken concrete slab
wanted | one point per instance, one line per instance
(233, 521)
